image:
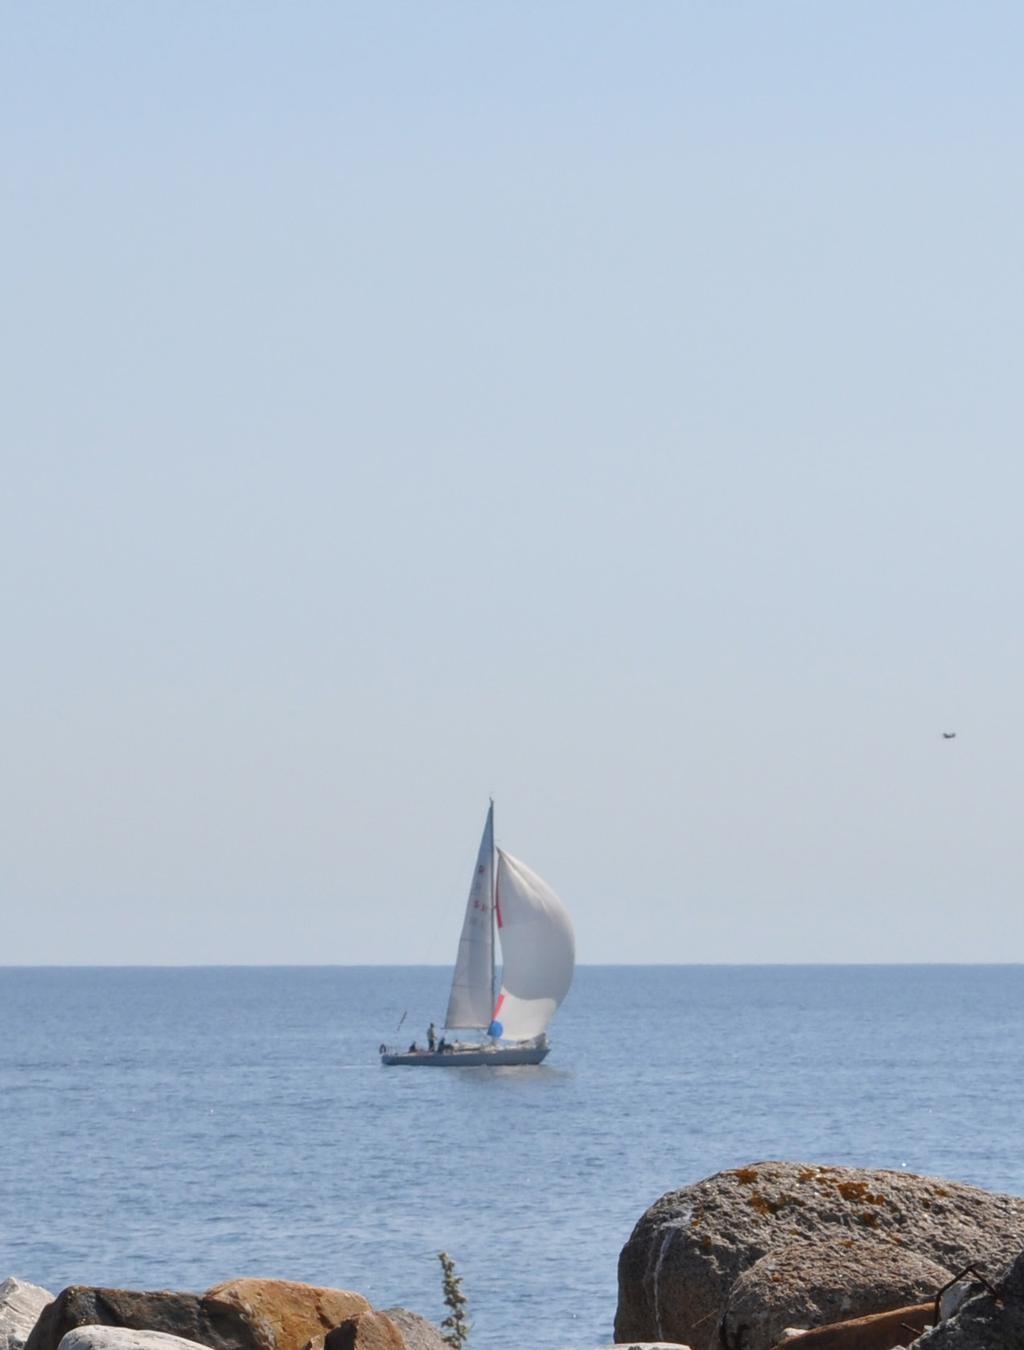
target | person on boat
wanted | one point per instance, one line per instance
(431, 1038)
(414, 1049)
(442, 1045)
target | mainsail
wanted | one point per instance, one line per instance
(538, 950)
(473, 981)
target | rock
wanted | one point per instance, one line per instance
(123, 1338)
(984, 1322)
(951, 1300)
(417, 1332)
(365, 1331)
(879, 1331)
(811, 1286)
(20, 1306)
(218, 1326)
(239, 1315)
(682, 1258)
(285, 1314)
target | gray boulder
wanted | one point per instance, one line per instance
(984, 1322)
(799, 1284)
(677, 1269)
(123, 1338)
(20, 1306)
(417, 1332)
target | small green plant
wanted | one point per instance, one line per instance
(456, 1324)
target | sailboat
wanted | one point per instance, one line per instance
(507, 901)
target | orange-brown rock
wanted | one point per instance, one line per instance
(367, 1331)
(880, 1331)
(285, 1314)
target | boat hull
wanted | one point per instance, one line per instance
(467, 1057)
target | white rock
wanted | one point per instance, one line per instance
(954, 1298)
(20, 1306)
(123, 1338)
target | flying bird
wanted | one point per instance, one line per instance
(949, 735)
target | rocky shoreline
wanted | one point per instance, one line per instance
(813, 1257)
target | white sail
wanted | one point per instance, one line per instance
(538, 949)
(473, 981)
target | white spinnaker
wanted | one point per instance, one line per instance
(469, 1004)
(538, 950)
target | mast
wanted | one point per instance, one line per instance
(494, 907)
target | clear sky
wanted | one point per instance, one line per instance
(612, 407)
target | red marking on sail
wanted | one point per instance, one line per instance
(497, 1007)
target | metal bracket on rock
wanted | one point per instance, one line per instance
(997, 1294)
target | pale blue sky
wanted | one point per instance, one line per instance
(613, 407)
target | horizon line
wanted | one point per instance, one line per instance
(440, 965)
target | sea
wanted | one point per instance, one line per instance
(169, 1128)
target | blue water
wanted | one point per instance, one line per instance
(172, 1128)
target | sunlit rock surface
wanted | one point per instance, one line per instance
(678, 1268)
(20, 1306)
